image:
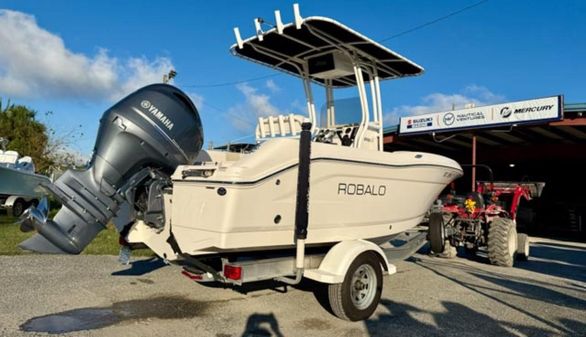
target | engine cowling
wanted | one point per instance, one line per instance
(155, 128)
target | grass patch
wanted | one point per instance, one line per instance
(106, 243)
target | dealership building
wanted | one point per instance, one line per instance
(541, 139)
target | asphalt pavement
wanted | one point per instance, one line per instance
(96, 296)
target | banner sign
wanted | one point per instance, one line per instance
(521, 112)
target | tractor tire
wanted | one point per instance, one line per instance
(357, 297)
(502, 242)
(437, 236)
(18, 207)
(522, 247)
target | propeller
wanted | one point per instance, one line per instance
(32, 214)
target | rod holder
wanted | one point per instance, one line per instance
(297, 16)
(258, 29)
(238, 38)
(279, 22)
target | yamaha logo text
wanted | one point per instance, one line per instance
(153, 110)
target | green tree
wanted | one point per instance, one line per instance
(25, 134)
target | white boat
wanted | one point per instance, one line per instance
(248, 215)
(246, 201)
(19, 185)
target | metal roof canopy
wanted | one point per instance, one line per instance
(288, 47)
(543, 140)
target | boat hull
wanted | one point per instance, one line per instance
(21, 183)
(249, 201)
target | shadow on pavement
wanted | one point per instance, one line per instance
(455, 264)
(558, 260)
(578, 328)
(141, 267)
(535, 292)
(259, 325)
(456, 320)
(526, 288)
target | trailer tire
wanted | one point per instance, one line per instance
(18, 207)
(502, 242)
(437, 235)
(358, 295)
(522, 247)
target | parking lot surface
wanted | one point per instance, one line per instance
(96, 296)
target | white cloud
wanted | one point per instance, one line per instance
(298, 107)
(244, 116)
(197, 99)
(36, 63)
(438, 102)
(141, 71)
(483, 94)
(272, 86)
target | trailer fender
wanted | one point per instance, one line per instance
(12, 199)
(333, 267)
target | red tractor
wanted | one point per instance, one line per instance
(485, 217)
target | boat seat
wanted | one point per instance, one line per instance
(25, 164)
(9, 158)
(348, 134)
(279, 126)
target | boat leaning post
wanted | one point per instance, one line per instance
(302, 203)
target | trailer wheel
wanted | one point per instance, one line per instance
(357, 297)
(502, 242)
(437, 234)
(522, 247)
(18, 207)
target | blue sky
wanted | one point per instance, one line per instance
(75, 58)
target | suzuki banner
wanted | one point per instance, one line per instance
(521, 112)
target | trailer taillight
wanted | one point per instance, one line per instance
(233, 272)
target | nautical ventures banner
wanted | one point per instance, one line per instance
(521, 112)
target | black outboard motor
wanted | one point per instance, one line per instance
(154, 129)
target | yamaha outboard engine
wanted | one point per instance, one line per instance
(144, 136)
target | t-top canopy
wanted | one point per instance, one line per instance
(288, 48)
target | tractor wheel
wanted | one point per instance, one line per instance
(18, 207)
(437, 234)
(522, 247)
(502, 242)
(357, 297)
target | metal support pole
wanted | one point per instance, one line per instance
(474, 163)
(380, 111)
(330, 117)
(309, 95)
(364, 106)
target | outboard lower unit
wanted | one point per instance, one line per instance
(144, 136)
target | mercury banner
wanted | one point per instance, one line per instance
(521, 112)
